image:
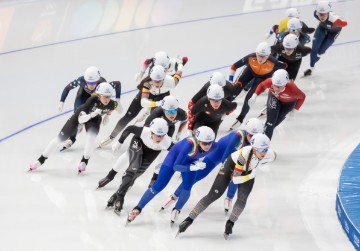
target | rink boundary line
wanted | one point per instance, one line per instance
(157, 26)
(133, 90)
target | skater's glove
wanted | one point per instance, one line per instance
(242, 179)
(197, 166)
(139, 75)
(158, 103)
(268, 34)
(189, 133)
(252, 100)
(116, 146)
(105, 120)
(96, 113)
(60, 106)
(292, 113)
(119, 107)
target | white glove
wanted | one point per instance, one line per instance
(180, 65)
(105, 119)
(116, 146)
(139, 75)
(242, 179)
(119, 107)
(60, 106)
(96, 112)
(292, 113)
(197, 166)
(268, 34)
(252, 100)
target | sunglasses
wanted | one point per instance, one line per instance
(170, 112)
(261, 150)
(107, 97)
(159, 136)
(91, 83)
(157, 81)
(206, 143)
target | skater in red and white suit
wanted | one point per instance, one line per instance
(284, 98)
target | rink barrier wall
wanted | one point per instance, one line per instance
(348, 198)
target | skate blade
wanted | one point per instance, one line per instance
(226, 211)
(30, 170)
(117, 212)
(161, 209)
(177, 234)
(226, 236)
(172, 223)
(109, 207)
(127, 222)
(261, 115)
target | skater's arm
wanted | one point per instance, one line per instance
(130, 129)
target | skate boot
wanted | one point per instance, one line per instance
(67, 144)
(133, 214)
(227, 205)
(119, 202)
(228, 229)
(105, 142)
(184, 225)
(169, 202)
(104, 181)
(34, 165)
(81, 167)
(174, 216)
(111, 201)
(153, 180)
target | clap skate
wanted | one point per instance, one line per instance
(119, 202)
(263, 112)
(67, 144)
(104, 181)
(105, 142)
(174, 216)
(228, 229)
(81, 167)
(169, 202)
(235, 125)
(111, 201)
(132, 215)
(184, 225)
(227, 205)
(34, 166)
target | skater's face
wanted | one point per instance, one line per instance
(215, 103)
(289, 51)
(170, 114)
(105, 99)
(278, 89)
(91, 85)
(323, 16)
(205, 146)
(157, 138)
(260, 152)
(261, 58)
(157, 83)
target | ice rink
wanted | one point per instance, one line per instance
(46, 44)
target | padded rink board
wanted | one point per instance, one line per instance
(348, 198)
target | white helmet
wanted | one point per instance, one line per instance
(254, 126)
(161, 58)
(218, 78)
(260, 141)
(290, 41)
(170, 103)
(292, 12)
(215, 92)
(159, 126)
(280, 77)
(294, 24)
(323, 7)
(157, 73)
(263, 49)
(104, 89)
(92, 74)
(205, 134)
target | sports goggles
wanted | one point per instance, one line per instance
(206, 143)
(170, 112)
(91, 83)
(261, 150)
